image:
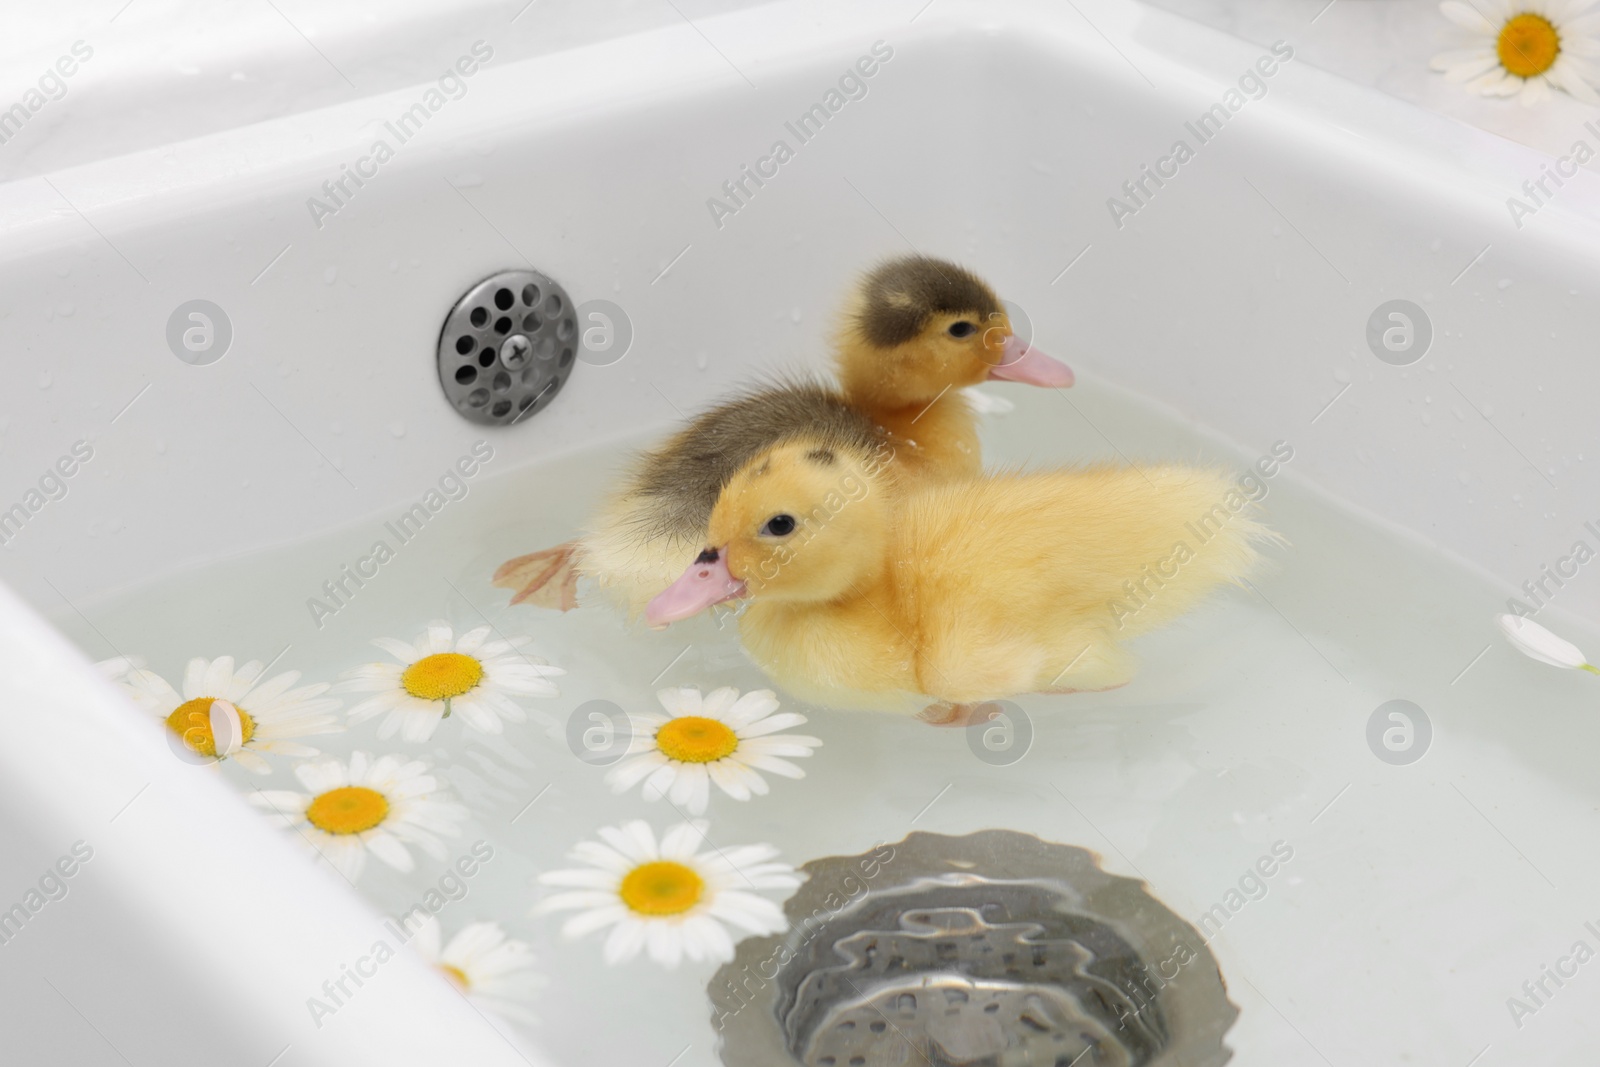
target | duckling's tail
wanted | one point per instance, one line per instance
(1216, 537)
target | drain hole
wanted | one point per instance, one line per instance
(464, 345)
(531, 323)
(501, 408)
(479, 317)
(566, 329)
(530, 295)
(552, 306)
(503, 299)
(527, 402)
(478, 397)
(486, 357)
(503, 323)
(502, 382)
(566, 358)
(465, 375)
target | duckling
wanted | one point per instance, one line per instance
(916, 331)
(964, 591)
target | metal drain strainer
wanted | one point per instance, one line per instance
(507, 347)
(995, 949)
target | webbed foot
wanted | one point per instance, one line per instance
(947, 714)
(547, 579)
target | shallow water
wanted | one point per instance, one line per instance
(1418, 898)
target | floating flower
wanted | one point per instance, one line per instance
(440, 674)
(667, 898)
(489, 968)
(1528, 48)
(226, 714)
(723, 738)
(368, 805)
(1535, 642)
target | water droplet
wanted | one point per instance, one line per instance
(794, 314)
(65, 309)
(397, 429)
(1341, 375)
(1436, 245)
(701, 361)
(1503, 283)
(45, 380)
(330, 275)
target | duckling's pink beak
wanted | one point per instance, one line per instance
(705, 583)
(1021, 362)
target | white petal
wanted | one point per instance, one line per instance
(679, 701)
(388, 848)
(681, 842)
(665, 942)
(598, 919)
(625, 940)
(1536, 642)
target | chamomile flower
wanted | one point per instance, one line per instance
(368, 805)
(222, 713)
(1527, 48)
(441, 674)
(667, 899)
(485, 965)
(722, 738)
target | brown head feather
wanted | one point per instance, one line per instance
(685, 476)
(900, 296)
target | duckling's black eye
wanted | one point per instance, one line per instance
(779, 526)
(962, 329)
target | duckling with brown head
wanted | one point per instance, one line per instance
(916, 332)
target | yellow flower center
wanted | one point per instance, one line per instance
(192, 722)
(350, 809)
(1528, 45)
(695, 739)
(441, 676)
(662, 888)
(456, 975)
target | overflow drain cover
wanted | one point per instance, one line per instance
(507, 347)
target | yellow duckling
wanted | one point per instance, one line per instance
(864, 595)
(916, 331)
